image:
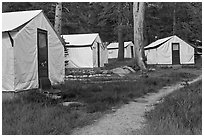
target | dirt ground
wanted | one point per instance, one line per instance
(129, 118)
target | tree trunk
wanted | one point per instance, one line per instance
(120, 33)
(145, 35)
(138, 17)
(58, 17)
(174, 19)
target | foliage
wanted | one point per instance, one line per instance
(102, 17)
(159, 20)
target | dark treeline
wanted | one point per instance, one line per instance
(102, 17)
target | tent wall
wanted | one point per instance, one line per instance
(186, 51)
(113, 53)
(151, 56)
(95, 53)
(25, 52)
(164, 54)
(7, 62)
(81, 57)
(104, 54)
(128, 51)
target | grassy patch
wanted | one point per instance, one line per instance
(103, 96)
(34, 113)
(180, 113)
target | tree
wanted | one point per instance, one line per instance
(17, 6)
(108, 20)
(174, 19)
(58, 17)
(138, 17)
(102, 18)
(160, 17)
(120, 33)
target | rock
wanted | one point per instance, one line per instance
(129, 68)
(55, 91)
(76, 104)
(151, 69)
(98, 71)
(52, 93)
(144, 75)
(120, 71)
(105, 72)
(55, 96)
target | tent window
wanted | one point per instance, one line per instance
(42, 40)
(175, 46)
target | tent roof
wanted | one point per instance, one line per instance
(80, 39)
(114, 45)
(13, 20)
(158, 42)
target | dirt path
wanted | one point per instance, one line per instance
(129, 117)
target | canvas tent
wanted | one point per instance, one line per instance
(85, 51)
(128, 50)
(170, 51)
(31, 50)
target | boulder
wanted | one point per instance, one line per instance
(129, 68)
(122, 71)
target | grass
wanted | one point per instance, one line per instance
(34, 113)
(179, 114)
(103, 96)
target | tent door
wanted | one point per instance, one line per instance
(175, 54)
(42, 43)
(98, 54)
(132, 51)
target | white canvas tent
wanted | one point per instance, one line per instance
(85, 51)
(31, 50)
(171, 51)
(128, 50)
